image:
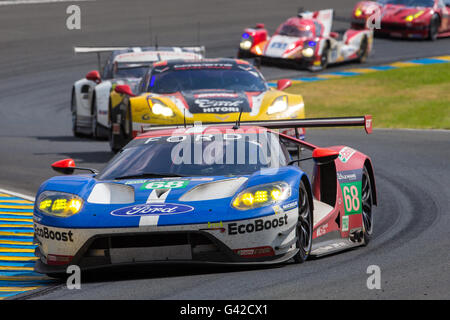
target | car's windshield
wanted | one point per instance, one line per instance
(228, 154)
(203, 77)
(130, 71)
(410, 3)
(293, 31)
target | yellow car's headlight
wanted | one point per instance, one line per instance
(59, 204)
(261, 196)
(280, 104)
(161, 109)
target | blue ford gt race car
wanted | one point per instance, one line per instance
(217, 193)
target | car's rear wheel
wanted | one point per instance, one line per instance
(367, 205)
(433, 28)
(304, 229)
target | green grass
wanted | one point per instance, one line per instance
(410, 97)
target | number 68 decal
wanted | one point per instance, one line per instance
(352, 201)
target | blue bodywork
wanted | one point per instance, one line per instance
(218, 210)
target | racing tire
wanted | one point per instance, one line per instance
(115, 147)
(99, 132)
(367, 205)
(118, 141)
(363, 50)
(304, 228)
(244, 54)
(73, 109)
(323, 59)
(94, 121)
(433, 29)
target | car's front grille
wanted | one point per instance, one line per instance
(201, 247)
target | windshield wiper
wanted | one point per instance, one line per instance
(149, 175)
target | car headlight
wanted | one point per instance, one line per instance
(246, 45)
(159, 108)
(59, 204)
(246, 42)
(414, 16)
(308, 52)
(261, 196)
(280, 104)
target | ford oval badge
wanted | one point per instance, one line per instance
(152, 209)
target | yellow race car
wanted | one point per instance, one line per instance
(186, 91)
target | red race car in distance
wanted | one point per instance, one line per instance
(306, 41)
(422, 19)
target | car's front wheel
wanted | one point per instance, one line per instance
(304, 229)
(94, 123)
(73, 109)
(121, 130)
(367, 205)
(433, 28)
(363, 50)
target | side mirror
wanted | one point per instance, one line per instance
(260, 26)
(334, 35)
(94, 75)
(124, 89)
(66, 166)
(283, 84)
(324, 156)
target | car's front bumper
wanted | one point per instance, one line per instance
(253, 241)
(289, 63)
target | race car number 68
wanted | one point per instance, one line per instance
(351, 198)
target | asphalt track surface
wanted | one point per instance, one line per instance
(38, 67)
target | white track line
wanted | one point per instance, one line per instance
(16, 194)
(16, 2)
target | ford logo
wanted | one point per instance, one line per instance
(152, 209)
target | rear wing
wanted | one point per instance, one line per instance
(200, 49)
(361, 121)
(99, 50)
(324, 16)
